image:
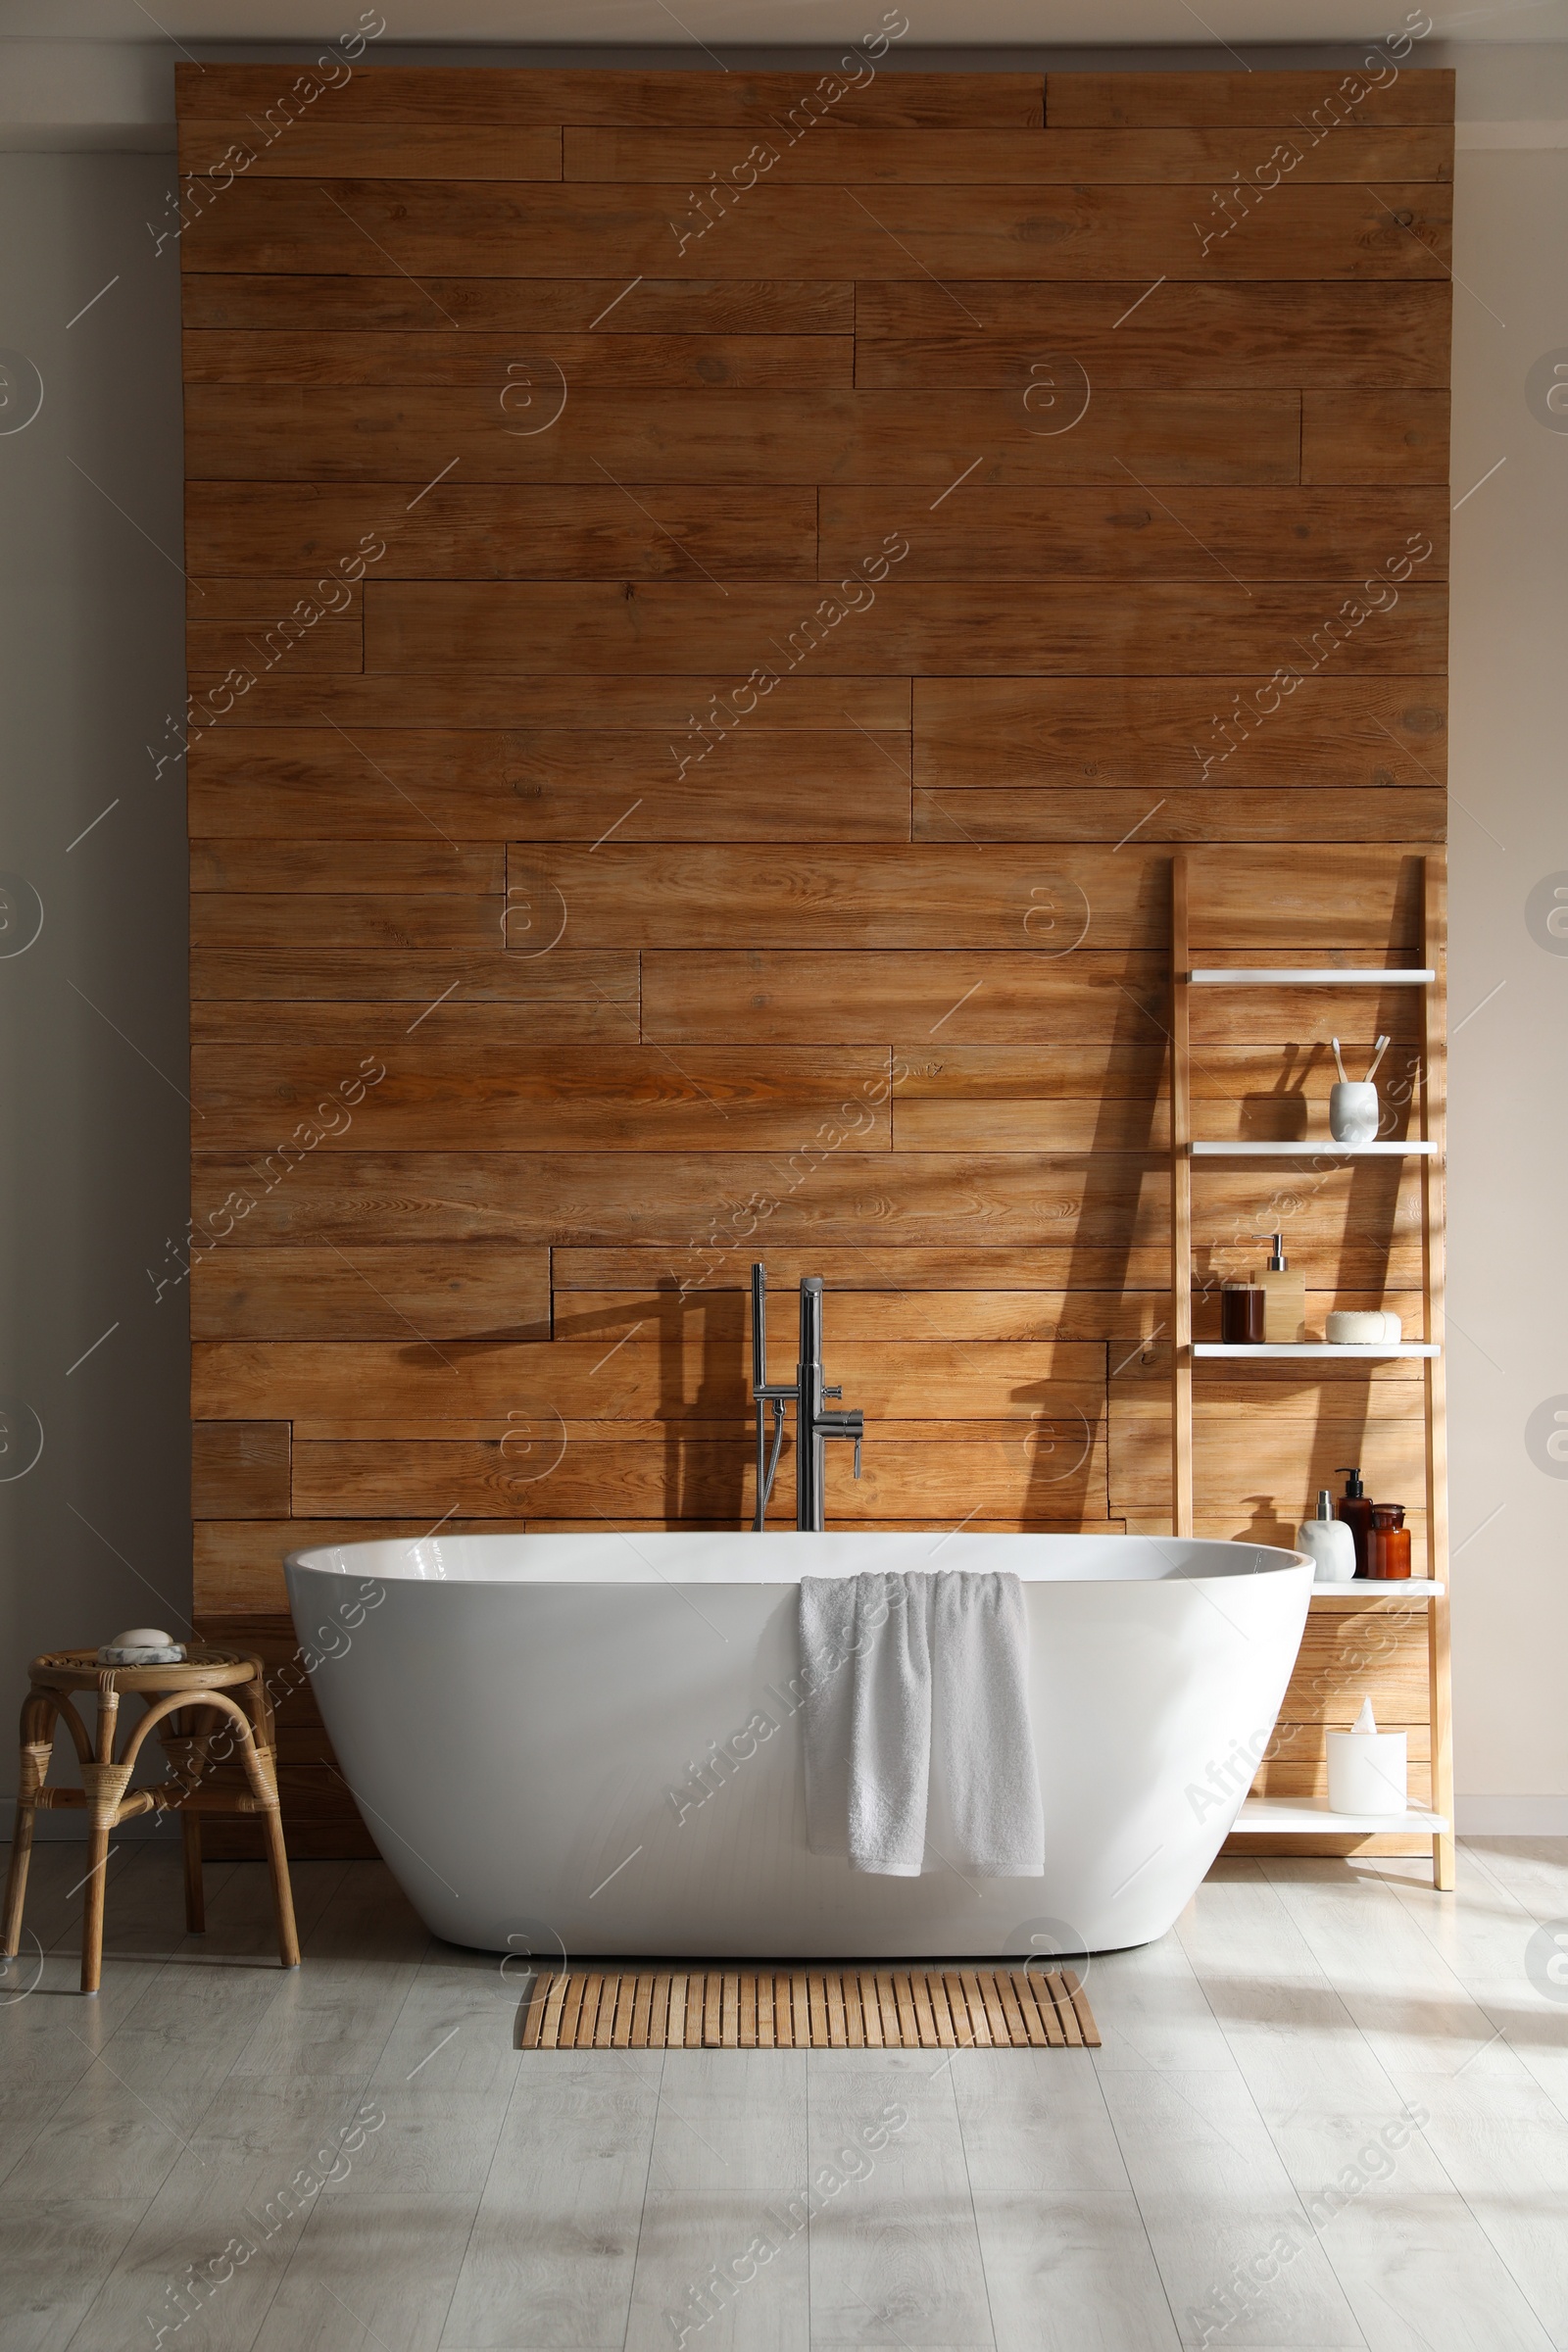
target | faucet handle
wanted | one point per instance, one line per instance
(832, 1392)
(857, 1457)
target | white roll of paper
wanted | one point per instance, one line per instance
(1368, 1769)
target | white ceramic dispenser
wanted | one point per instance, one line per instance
(1355, 1112)
(1368, 1769)
(1330, 1543)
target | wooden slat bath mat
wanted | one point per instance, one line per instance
(749, 2009)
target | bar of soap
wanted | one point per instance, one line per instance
(1362, 1327)
(142, 1645)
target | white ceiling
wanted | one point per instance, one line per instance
(98, 73)
(752, 23)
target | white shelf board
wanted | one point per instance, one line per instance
(1315, 1348)
(1310, 1817)
(1382, 1584)
(1309, 1150)
(1307, 975)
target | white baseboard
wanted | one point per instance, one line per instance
(1511, 1816)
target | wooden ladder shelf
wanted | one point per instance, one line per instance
(1288, 1820)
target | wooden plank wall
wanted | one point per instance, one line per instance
(713, 596)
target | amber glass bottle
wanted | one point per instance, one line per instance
(1388, 1542)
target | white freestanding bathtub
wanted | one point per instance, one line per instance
(591, 1742)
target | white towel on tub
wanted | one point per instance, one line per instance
(865, 1661)
(908, 1675)
(982, 1736)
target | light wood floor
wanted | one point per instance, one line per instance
(1034, 2201)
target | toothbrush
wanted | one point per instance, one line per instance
(1383, 1043)
(1339, 1060)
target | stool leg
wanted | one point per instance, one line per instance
(288, 1943)
(190, 1835)
(99, 1826)
(37, 1742)
(261, 1766)
(105, 1788)
(16, 1878)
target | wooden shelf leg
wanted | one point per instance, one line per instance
(1181, 1214)
(1440, 1711)
(1433, 1129)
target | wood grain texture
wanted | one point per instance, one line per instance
(365, 1022)
(949, 1316)
(1088, 814)
(550, 1097)
(924, 896)
(1323, 732)
(324, 432)
(1046, 1476)
(295, 146)
(255, 646)
(594, 530)
(684, 783)
(295, 868)
(1131, 534)
(240, 1467)
(974, 998)
(748, 2009)
(1270, 1459)
(507, 364)
(604, 1200)
(664, 1371)
(383, 1290)
(1374, 438)
(1392, 229)
(614, 96)
(280, 301)
(890, 896)
(734, 816)
(870, 1270)
(1061, 157)
(442, 706)
(911, 335)
(1385, 93)
(353, 920)
(260, 597)
(1352, 1224)
(486, 976)
(1148, 627)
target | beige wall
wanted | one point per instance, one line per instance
(95, 1536)
(1510, 1072)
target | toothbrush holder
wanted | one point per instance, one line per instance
(1354, 1112)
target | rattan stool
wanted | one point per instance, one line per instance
(221, 1696)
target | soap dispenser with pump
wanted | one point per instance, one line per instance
(1284, 1294)
(1329, 1542)
(1354, 1508)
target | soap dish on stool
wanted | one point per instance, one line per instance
(142, 1645)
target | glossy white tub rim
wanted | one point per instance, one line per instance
(783, 1556)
